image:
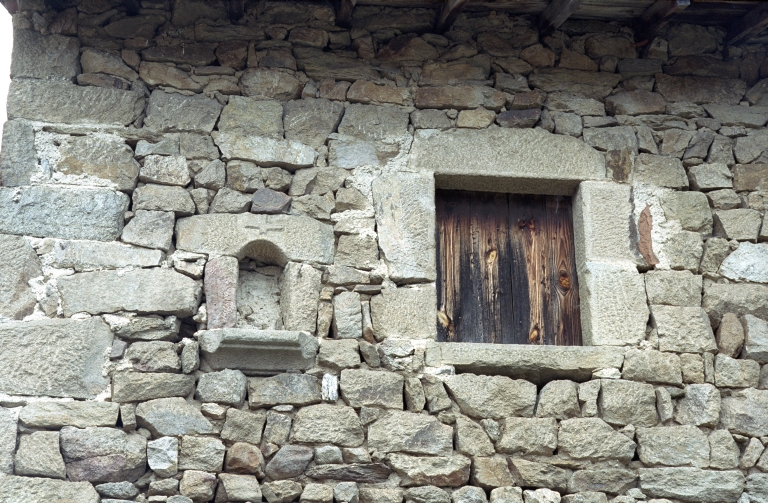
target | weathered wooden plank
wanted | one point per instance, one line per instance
(521, 295)
(751, 24)
(556, 13)
(448, 14)
(658, 15)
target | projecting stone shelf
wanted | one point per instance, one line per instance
(537, 364)
(257, 352)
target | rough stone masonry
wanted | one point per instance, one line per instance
(218, 265)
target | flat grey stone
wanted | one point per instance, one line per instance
(62, 212)
(119, 490)
(176, 112)
(270, 202)
(17, 489)
(627, 402)
(162, 291)
(38, 456)
(103, 454)
(150, 229)
(39, 56)
(92, 255)
(673, 288)
(528, 436)
(140, 386)
(201, 453)
(52, 415)
(300, 286)
(226, 387)
(293, 238)
(171, 417)
(18, 158)
(443, 471)
(745, 412)
(372, 473)
(755, 337)
(592, 438)
(311, 121)
(742, 224)
(405, 312)
(19, 266)
(251, 116)
(683, 329)
(61, 102)
(61, 358)
(749, 262)
(558, 399)
(257, 352)
(401, 431)
(290, 461)
(736, 298)
(267, 152)
(153, 197)
(673, 446)
(106, 157)
(9, 426)
(493, 397)
(239, 487)
(163, 456)
(652, 367)
(700, 406)
(293, 389)
(710, 176)
(365, 388)
(692, 484)
(533, 160)
(538, 364)
(244, 426)
(374, 122)
(323, 423)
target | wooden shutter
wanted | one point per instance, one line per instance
(506, 269)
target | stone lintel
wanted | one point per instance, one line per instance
(506, 160)
(537, 364)
(258, 352)
(277, 239)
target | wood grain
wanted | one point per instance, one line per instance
(506, 269)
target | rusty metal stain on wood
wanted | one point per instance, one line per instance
(506, 269)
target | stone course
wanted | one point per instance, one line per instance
(220, 277)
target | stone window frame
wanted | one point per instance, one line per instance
(614, 310)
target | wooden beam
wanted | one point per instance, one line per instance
(344, 12)
(556, 13)
(448, 14)
(657, 16)
(132, 7)
(750, 25)
(236, 10)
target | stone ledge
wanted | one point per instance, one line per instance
(506, 160)
(271, 238)
(257, 352)
(537, 364)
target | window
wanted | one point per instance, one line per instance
(506, 269)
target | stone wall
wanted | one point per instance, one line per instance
(219, 265)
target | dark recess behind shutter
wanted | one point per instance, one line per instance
(506, 269)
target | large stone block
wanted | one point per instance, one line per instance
(100, 156)
(53, 415)
(444, 471)
(692, 484)
(410, 433)
(613, 307)
(160, 291)
(293, 389)
(103, 454)
(683, 329)
(673, 446)
(310, 121)
(494, 397)
(20, 264)
(9, 425)
(39, 456)
(28, 489)
(748, 263)
(39, 56)
(673, 288)
(176, 112)
(249, 116)
(405, 313)
(257, 352)
(373, 122)
(18, 158)
(745, 413)
(326, 423)
(274, 239)
(627, 402)
(172, 417)
(141, 386)
(538, 364)
(737, 298)
(506, 160)
(601, 227)
(652, 367)
(700, 406)
(365, 388)
(83, 255)
(60, 358)
(700, 89)
(589, 84)
(528, 436)
(405, 216)
(299, 297)
(62, 212)
(267, 152)
(66, 103)
(592, 438)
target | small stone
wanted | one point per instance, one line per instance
(226, 387)
(154, 356)
(732, 373)
(317, 493)
(119, 490)
(230, 201)
(741, 224)
(270, 202)
(163, 456)
(38, 456)
(700, 406)
(201, 453)
(469, 494)
(509, 494)
(346, 492)
(528, 436)
(293, 389)
(627, 402)
(673, 446)
(243, 426)
(163, 198)
(171, 416)
(244, 458)
(213, 176)
(281, 491)
(197, 485)
(476, 119)
(558, 399)
(339, 354)
(533, 474)
(151, 229)
(328, 455)
(323, 423)
(244, 176)
(755, 337)
(541, 496)
(367, 388)
(290, 461)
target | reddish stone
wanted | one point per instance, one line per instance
(245, 459)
